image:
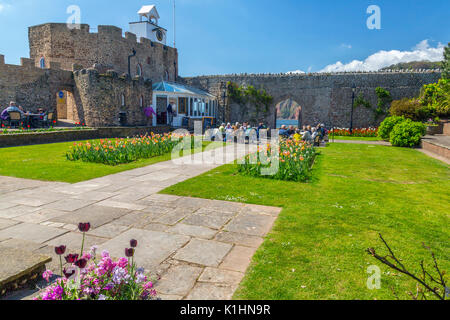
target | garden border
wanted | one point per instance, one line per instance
(24, 139)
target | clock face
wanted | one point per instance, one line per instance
(159, 35)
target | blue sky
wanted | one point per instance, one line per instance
(253, 36)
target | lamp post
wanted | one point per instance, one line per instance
(224, 102)
(353, 104)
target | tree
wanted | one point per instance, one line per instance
(446, 63)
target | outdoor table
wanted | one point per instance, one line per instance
(31, 119)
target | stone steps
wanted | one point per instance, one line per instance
(19, 268)
(438, 145)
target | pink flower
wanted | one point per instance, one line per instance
(123, 263)
(47, 275)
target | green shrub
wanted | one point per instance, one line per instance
(384, 131)
(407, 133)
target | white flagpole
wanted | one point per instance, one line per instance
(174, 26)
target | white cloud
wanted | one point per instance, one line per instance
(296, 72)
(346, 46)
(4, 6)
(422, 51)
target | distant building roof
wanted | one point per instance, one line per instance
(172, 87)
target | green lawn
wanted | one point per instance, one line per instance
(356, 138)
(48, 162)
(316, 249)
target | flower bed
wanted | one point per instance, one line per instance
(119, 151)
(363, 132)
(83, 278)
(295, 160)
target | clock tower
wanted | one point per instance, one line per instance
(148, 26)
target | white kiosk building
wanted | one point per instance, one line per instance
(186, 102)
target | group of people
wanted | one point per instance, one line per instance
(229, 130)
(313, 135)
(13, 107)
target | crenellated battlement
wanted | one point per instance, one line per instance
(313, 74)
(55, 42)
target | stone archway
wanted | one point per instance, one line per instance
(289, 112)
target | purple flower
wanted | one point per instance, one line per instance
(133, 243)
(84, 227)
(68, 273)
(81, 263)
(129, 252)
(120, 275)
(71, 258)
(101, 297)
(60, 250)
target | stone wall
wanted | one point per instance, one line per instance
(105, 96)
(32, 87)
(324, 98)
(57, 43)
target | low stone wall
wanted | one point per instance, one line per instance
(23, 139)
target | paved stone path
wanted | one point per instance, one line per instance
(200, 248)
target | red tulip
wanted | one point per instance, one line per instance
(81, 263)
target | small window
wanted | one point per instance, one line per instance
(166, 76)
(139, 70)
(42, 63)
(123, 100)
(141, 101)
(149, 60)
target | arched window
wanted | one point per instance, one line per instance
(42, 63)
(123, 100)
(141, 101)
(166, 76)
(139, 70)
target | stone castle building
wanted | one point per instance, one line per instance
(93, 77)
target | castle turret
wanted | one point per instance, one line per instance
(148, 27)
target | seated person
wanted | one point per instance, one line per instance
(297, 135)
(307, 137)
(291, 130)
(284, 132)
(12, 107)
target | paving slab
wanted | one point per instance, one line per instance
(238, 259)
(239, 239)
(153, 247)
(73, 241)
(17, 211)
(40, 216)
(215, 221)
(94, 214)
(109, 230)
(31, 232)
(178, 280)
(203, 252)
(211, 291)
(120, 204)
(251, 224)
(214, 275)
(6, 223)
(193, 231)
(69, 205)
